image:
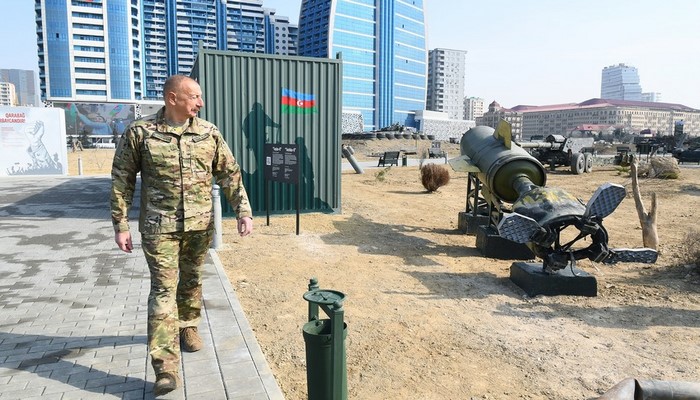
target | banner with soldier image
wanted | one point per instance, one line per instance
(32, 141)
(96, 124)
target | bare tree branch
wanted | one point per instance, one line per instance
(650, 237)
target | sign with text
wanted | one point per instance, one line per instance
(32, 141)
(282, 163)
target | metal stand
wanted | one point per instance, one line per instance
(492, 245)
(468, 223)
(569, 281)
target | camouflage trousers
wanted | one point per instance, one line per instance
(175, 301)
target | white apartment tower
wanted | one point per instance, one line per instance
(620, 82)
(8, 95)
(446, 77)
(473, 108)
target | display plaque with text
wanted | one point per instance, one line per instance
(281, 163)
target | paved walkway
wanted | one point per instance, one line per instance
(73, 307)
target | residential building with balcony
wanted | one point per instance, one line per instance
(8, 95)
(89, 50)
(124, 50)
(280, 36)
(446, 81)
(474, 107)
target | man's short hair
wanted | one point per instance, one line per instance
(173, 83)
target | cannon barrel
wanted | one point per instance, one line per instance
(508, 169)
(539, 145)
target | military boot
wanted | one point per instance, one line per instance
(190, 340)
(166, 382)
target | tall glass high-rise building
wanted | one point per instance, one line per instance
(620, 82)
(123, 50)
(89, 50)
(384, 54)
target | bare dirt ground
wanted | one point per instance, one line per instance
(430, 318)
(93, 161)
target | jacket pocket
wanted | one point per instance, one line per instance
(163, 154)
(203, 152)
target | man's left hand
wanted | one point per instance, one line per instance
(245, 226)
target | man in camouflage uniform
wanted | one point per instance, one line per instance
(177, 155)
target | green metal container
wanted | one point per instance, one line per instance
(318, 339)
(244, 95)
(326, 370)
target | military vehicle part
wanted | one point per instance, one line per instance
(558, 150)
(538, 215)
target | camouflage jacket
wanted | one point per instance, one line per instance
(176, 176)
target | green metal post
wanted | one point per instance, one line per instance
(325, 345)
(313, 307)
(338, 352)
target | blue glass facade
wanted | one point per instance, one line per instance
(57, 47)
(174, 30)
(155, 51)
(119, 49)
(88, 49)
(620, 82)
(384, 54)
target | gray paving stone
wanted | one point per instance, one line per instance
(204, 383)
(253, 396)
(21, 353)
(201, 367)
(240, 370)
(75, 325)
(11, 387)
(86, 376)
(8, 394)
(134, 395)
(244, 386)
(125, 386)
(51, 366)
(104, 381)
(56, 396)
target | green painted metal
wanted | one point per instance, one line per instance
(243, 96)
(326, 366)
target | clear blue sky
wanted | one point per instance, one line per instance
(518, 52)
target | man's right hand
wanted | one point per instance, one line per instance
(123, 240)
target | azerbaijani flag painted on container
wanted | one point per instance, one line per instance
(298, 103)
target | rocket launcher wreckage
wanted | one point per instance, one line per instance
(509, 174)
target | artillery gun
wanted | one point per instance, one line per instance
(507, 194)
(557, 150)
(680, 152)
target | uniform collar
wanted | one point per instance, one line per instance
(162, 126)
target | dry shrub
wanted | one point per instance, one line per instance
(692, 243)
(381, 175)
(434, 176)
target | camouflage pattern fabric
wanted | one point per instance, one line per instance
(176, 176)
(177, 167)
(175, 300)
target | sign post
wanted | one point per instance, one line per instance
(282, 165)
